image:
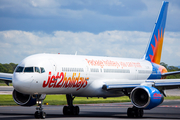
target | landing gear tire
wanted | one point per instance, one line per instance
(41, 115)
(130, 113)
(139, 113)
(73, 110)
(36, 115)
(70, 109)
(135, 113)
(76, 110)
(65, 110)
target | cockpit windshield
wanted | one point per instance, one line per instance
(42, 70)
(37, 69)
(30, 69)
(20, 69)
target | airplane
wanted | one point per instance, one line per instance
(143, 80)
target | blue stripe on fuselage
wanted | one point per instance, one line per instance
(156, 74)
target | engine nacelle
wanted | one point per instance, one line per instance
(22, 99)
(146, 97)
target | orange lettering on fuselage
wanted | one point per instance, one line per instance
(61, 81)
(112, 63)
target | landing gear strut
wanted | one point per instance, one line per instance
(70, 109)
(135, 112)
(40, 113)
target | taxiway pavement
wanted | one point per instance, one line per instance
(167, 110)
(6, 90)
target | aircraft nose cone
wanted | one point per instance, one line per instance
(22, 82)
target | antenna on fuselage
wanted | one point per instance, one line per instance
(76, 53)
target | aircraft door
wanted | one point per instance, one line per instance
(54, 67)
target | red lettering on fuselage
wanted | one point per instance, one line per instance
(61, 81)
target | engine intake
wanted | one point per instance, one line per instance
(23, 99)
(146, 97)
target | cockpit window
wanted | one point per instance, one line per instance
(37, 69)
(28, 69)
(19, 69)
(42, 70)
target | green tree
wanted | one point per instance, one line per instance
(171, 69)
(2, 68)
(7, 68)
(164, 64)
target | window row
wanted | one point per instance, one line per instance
(30, 69)
(144, 71)
(94, 70)
(64, 69)
(116, 71)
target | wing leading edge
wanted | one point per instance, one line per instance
(6, 77)
(170, 73)
(157, 83)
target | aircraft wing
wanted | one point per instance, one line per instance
(171, 73)
(6, 77)
(166, 83)
(157, 83)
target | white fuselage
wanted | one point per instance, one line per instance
(77, 75)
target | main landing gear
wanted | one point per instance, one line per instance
(70, 109)
(135, 112)
(40, 113)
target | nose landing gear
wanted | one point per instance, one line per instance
(40, 113)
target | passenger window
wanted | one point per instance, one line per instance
(42, 70)
(28, 69)
(19, 69)
(37, 69)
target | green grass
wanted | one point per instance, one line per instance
(172, 98)
(61, 100)
(4, 84)
(7, 100)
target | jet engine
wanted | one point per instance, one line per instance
(146, 97)
(23, 99)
